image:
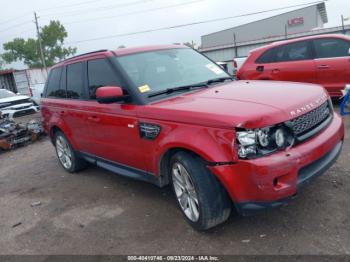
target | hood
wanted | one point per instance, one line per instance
(14, 100)
(249, 104)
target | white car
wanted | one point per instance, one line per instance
(36, 91)
(13, 105)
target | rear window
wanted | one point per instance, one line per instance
(267, 57)
(53, 84)
(75, 81)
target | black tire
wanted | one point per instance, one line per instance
(214, 204)
(77, 163)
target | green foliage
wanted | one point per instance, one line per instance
(28, 51)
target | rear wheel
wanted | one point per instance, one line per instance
(200, 196)
(66, 155)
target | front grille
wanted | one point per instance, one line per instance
(305, 126)
(24, 112)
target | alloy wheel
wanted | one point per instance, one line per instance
(185, 192)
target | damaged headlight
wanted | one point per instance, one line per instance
(263, 141)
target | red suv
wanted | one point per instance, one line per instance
(168, 115)
(322, 59)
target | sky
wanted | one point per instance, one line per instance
(98, 18)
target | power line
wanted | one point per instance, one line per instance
(136, 12)
(15, 26)
(70, 5)
(49, 8)
(98, 9)
(193, 23)
(92, 10)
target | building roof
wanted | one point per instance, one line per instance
(7, 71)
(321, 7)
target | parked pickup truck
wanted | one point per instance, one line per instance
(168, 115)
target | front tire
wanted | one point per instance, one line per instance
(200, 196)
(67, 157)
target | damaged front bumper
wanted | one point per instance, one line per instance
(272, 181)
(19, 110)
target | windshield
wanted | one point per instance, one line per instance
(164, 69)
(6, 93)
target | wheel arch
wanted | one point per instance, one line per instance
(164, 163)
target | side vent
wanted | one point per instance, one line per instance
(149, 131)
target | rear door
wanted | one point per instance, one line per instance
(73, 108)
(332, 64)
(292, 62)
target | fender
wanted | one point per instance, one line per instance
(53, 120)
(214, 145)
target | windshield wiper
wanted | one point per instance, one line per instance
(178, 89)
(218, 80)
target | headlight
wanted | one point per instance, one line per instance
(263, 141)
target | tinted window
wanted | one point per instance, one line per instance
(100, 73)
(267, 57)
(293, 52)
(53, 85)
(331, 47)
(75, 81)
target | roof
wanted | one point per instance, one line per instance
(118, 52)
(323, 12)
(132, 50)
(7, 71)
(279, 43)
(321, 7)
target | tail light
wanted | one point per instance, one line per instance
(234, 64)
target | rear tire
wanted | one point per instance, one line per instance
(202, 199)
(67, 157)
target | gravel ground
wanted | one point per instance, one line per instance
(97, 212)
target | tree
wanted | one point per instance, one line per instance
(1, 63)
(52, 37)
(191, 44)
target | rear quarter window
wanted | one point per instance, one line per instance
(53, 85)
(266, 57)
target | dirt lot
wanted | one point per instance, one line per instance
(96, 212)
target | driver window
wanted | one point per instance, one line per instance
(100, 73)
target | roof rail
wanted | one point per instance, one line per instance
(88, 53)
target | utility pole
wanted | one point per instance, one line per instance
(235, 44)
(285, 31)
(40, 44)
(342, 24)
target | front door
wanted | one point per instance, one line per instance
(293, 62)
(332, 64)
(113, 127)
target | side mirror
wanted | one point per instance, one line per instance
(109, 94)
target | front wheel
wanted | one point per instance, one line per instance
(200, 196)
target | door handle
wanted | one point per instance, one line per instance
(323, 67)
(94, 119)
(275, 71)
(260, 68)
